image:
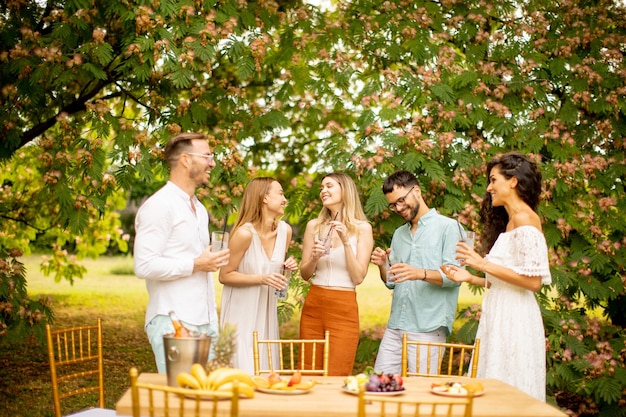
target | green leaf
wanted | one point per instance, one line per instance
(443, 92)
(607, 390)
(245, 68)
(103, 53)
(376, 202)
(96, 71)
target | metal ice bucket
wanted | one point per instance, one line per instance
(182, 352)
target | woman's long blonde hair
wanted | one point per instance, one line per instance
(251, 210)
(351, 208)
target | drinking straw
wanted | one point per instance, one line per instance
(331, 228)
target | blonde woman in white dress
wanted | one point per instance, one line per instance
(511, 332)
(258, 239)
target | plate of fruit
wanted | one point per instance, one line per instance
(275, 384)
(374, 383)
(457, 389)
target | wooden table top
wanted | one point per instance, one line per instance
(328, 399)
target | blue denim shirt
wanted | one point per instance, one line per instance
(418, 306)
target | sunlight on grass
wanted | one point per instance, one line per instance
(128, 292)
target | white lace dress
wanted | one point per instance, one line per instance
(511, 332)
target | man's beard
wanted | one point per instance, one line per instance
(412, 213)
(199, 176)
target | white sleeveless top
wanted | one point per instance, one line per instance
(332, 269)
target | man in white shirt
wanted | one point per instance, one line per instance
(172, 251)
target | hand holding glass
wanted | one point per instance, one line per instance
(469, 238)
(279, 267)
(326, 241)
(282, 293)
(219, 241)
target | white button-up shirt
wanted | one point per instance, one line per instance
(168, 238)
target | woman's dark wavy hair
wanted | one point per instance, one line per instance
(511, 164)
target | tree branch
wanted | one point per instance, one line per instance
(76, 106)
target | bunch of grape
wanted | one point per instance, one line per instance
(384, 383)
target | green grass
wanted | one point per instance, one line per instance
(120, 300)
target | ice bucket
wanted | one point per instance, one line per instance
(182, 352)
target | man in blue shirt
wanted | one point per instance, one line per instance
(424, 299)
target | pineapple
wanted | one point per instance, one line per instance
(224, 348)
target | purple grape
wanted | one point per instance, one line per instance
(371, 387)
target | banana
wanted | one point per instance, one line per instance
(304, 385)
(199, 373)
(244, 389)
(260, 382)
(229, 375)
(279, 385)
(187, 380)
(210, 380)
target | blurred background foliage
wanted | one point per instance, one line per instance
(90, 91)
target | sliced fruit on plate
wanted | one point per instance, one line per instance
(276, 383)
(304, 385)
(279, 385)
(260, 382)
(274, 378)
(474, 386)
(457, 387)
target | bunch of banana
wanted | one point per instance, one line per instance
(221, 379)
(275, 382)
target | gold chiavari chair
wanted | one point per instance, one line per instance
(376, 405)
(149, 400)
(456, 355)
(76, 367)
(292, 353)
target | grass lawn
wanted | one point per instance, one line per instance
(120, 301)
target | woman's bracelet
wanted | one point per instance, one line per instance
(482, 267)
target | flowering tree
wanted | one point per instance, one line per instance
(90, 90)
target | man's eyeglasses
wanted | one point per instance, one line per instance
(393, 206)
(209, 157)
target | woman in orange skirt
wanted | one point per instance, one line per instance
(335, 259)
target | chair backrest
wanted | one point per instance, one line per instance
(396, 406)
(292, 354)
(76, 366)
(433, 359)
(162, 400)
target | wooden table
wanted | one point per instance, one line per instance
(327, 399)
